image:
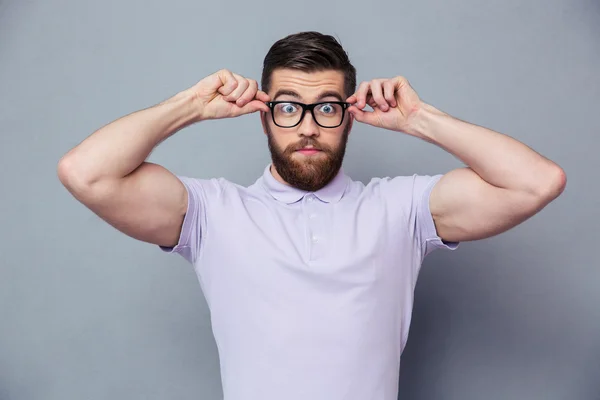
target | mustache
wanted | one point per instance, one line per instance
(304, 142)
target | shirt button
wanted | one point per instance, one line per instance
(312, 216)
(310, 198)
(315, 239)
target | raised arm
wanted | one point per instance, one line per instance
(504, 182)
(107, 172)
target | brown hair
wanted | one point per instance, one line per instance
(309, 52)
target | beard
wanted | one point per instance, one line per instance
(308, 173)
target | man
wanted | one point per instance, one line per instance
(308, 274)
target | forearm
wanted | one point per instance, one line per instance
(120, 147)
(497, 158)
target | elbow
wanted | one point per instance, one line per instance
(558, 182)
(71, 176)
(83, 186)
(64, 171)
(552, 184)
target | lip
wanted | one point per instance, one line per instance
(308, 150)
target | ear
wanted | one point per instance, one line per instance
(350, 122)
(263, 121)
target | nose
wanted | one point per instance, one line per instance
(308, 126)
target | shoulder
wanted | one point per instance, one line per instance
(218, 189)
(396, 186)
(201, 187)
(407, 183)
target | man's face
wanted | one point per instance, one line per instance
(307, 156)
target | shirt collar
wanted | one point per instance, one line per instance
(330, 193)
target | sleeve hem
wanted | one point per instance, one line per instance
(432, 239)
(186, 228)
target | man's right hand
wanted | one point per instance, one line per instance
(226, 95)
(108, 173)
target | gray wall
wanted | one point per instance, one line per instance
(88, 313)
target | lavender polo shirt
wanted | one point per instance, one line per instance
(310, 294)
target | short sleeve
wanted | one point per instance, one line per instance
(201, 193)
(412, 194)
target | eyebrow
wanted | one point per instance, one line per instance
(291, 93)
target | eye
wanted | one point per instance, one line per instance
(287, 108)
(327, 108)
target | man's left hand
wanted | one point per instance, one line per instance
(394, 102)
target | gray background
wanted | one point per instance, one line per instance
(88, 313)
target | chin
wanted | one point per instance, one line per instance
(309, 163)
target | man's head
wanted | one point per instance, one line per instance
(307, 68)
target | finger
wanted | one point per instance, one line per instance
(377, 93)
(361, 95)
(366, 117)
(351, 99)
(248, 94)
(262, 96)
(371, 102)
(389, 92)
(354, 110)
(253, 106)
(243, 84)
(228, 82)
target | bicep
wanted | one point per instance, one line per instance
(149, 204)
(465, 207)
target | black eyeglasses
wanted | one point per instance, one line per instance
(327, 114)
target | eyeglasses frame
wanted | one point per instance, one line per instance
(308, 107)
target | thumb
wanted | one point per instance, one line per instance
(367, 117)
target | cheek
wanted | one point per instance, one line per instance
(332, 140)
(281, 140)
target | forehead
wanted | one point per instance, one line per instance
(309, 85)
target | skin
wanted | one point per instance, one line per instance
(504, 183)
(306, 171)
